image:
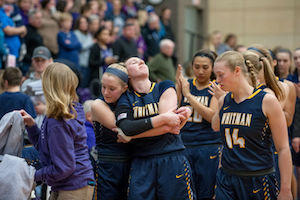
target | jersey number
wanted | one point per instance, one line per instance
(234, 139)
(195, 117)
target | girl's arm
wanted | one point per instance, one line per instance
(215, 122)
(100, 109)
(167, 101)
(289, 105)
(206, 112)
(103, 114)
(167, 104)
(157, 131)
(166, 122)
(178, 84)
(272, 110)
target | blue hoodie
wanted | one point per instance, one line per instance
(63, 152)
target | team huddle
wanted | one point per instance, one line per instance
(236, 120)
(220, 135)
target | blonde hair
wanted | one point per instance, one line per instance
(263, 59)
(59, 86)
(232, 60)
(65, 16)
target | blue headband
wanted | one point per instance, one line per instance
(257, 50)
(120, 74)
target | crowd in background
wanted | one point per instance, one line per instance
(88, 36)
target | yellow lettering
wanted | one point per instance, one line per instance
(156, 108)
(223, 118)
(151, 109)
(248, 120)
(233, 118)
(135, 112)
(237, 119)
(140, 111)
(227, 118)
(242, 122)
(206, 101)
(230, 118)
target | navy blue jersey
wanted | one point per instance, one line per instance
(106, 139)
(198, 131)
(243, 127)
(133, 105)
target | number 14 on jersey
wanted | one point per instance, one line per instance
(233, 138)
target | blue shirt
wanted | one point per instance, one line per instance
(11, 101)
(293, 77)
(90, 140)
(69, 46)
(13, 41)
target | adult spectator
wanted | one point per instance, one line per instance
(94, 24)
(151, 36)
(11, 32)
(118, 17)
(101, 55)
(125, 47)
(161, 65)
(165, 24)
(86, 40)
(214, 42)
(25, 7)
(49, 27)
(41, 58)
(129, 9)
(229, 43)
(33, 39)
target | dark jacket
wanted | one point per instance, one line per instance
(125, 48)
(151, 38)
(95, 61)
(32, 40)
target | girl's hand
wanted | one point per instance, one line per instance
(122, 138)
(184, 114)
(172, 119)
(28, 120)
(296, 144)
(287, 195)
(178, 75)
(216, 90)
(185, 85)
(175, 130)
